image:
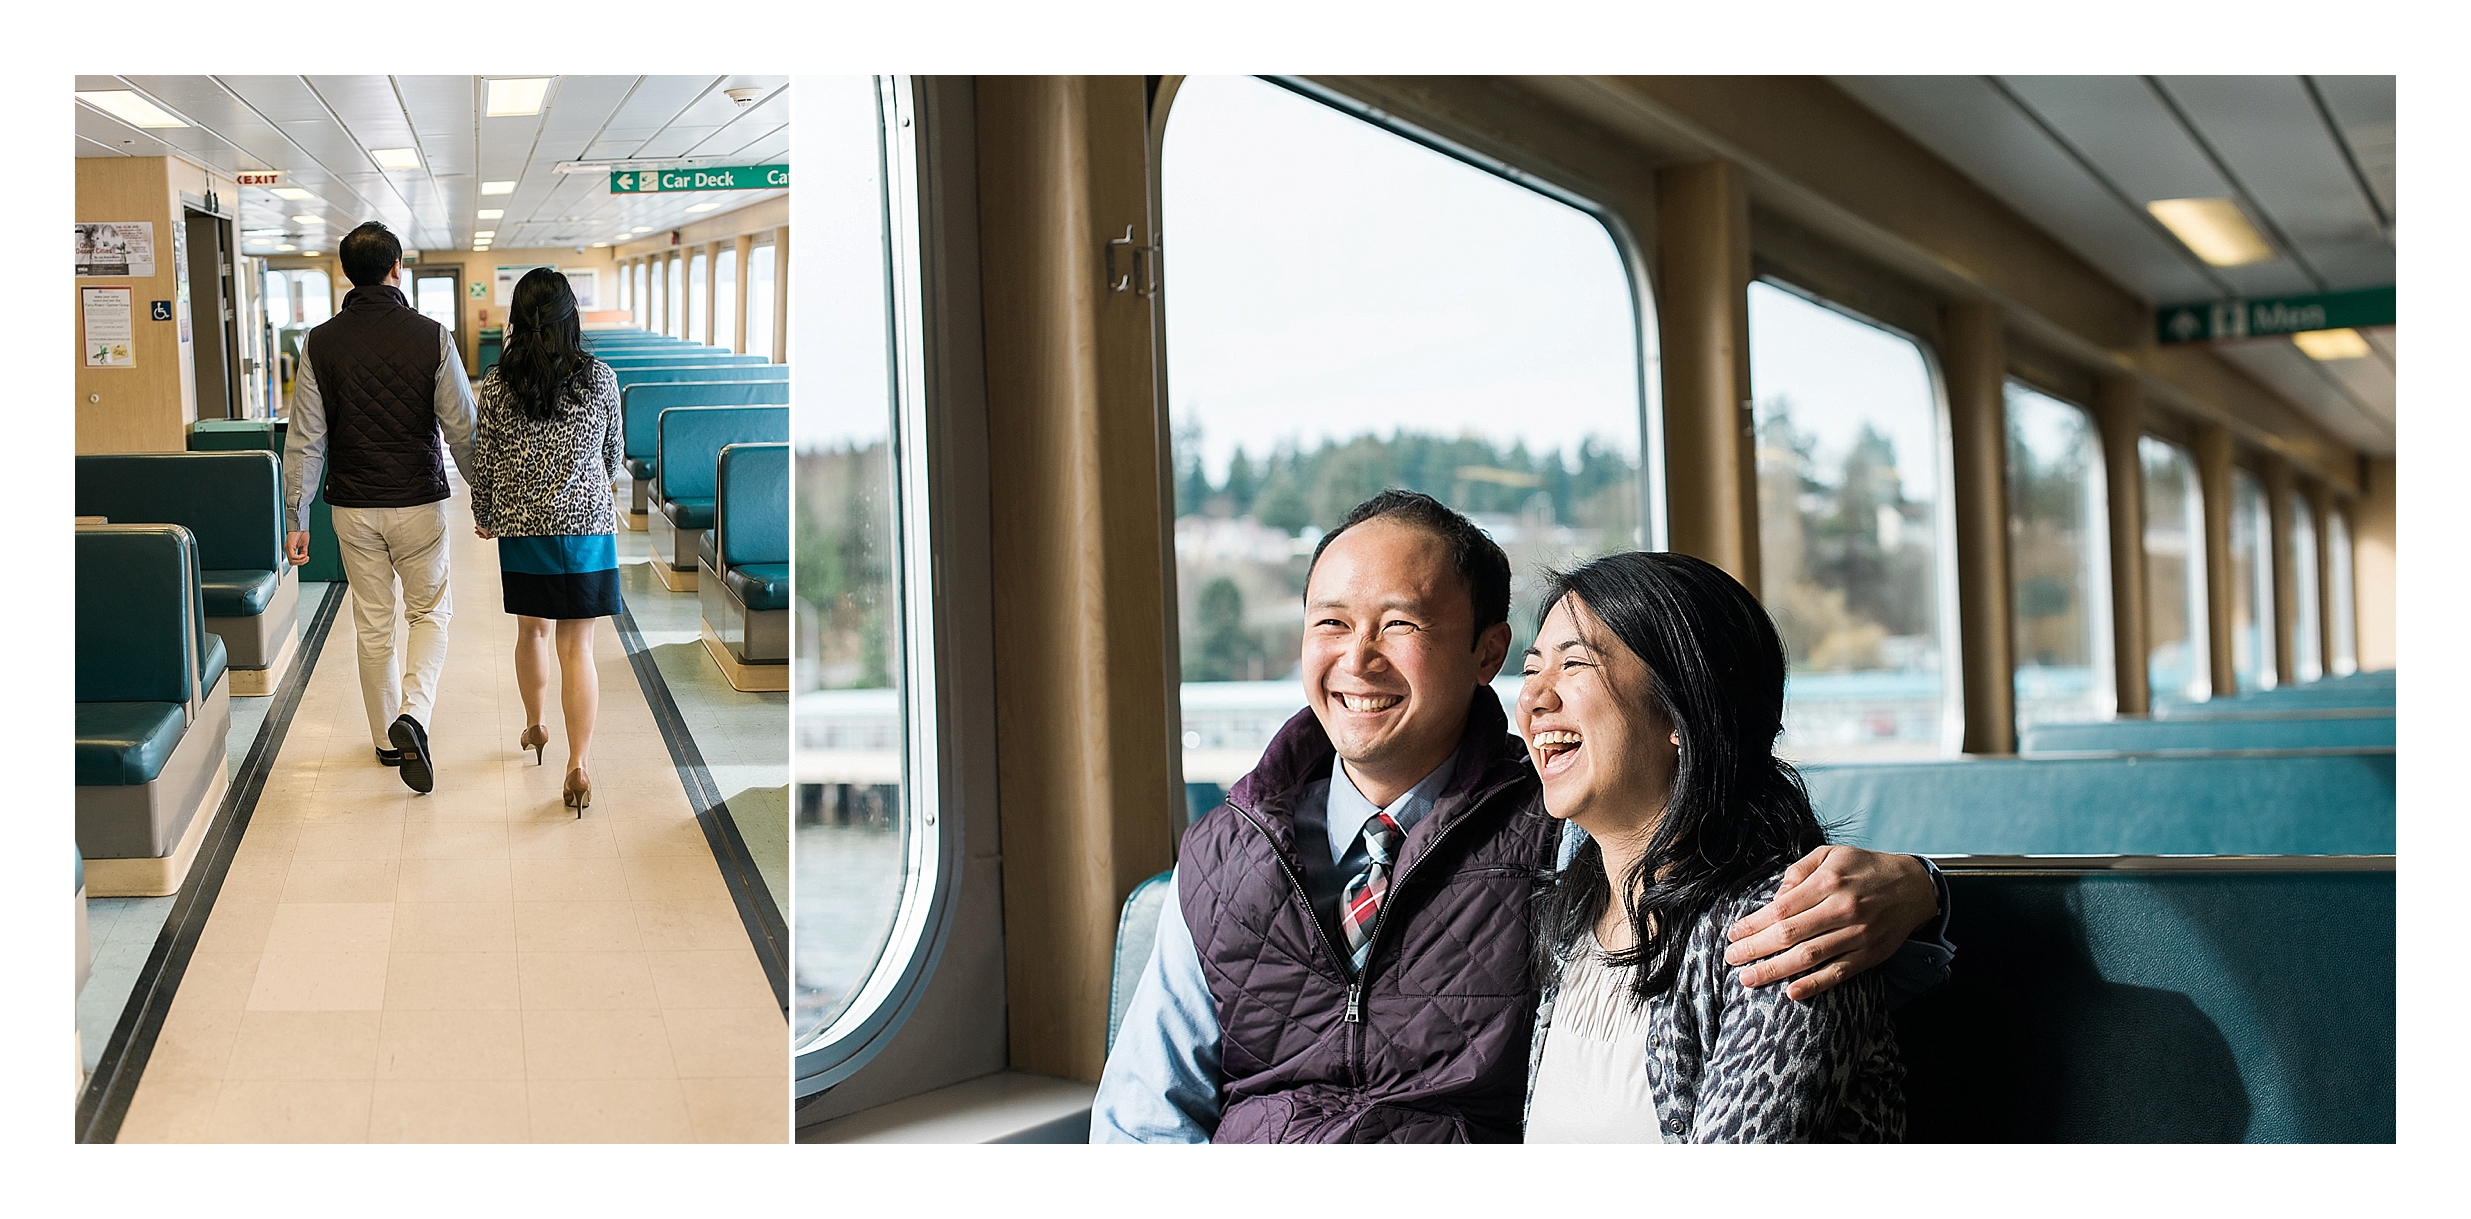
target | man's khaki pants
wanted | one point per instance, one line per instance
(380, 546)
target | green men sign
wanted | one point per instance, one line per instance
(2258, 316)
(717, 177)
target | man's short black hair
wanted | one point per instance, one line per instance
(1481, 564)
(368, 253)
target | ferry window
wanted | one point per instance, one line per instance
(725, 299)
(2252, 584)
(674, 320)
(626, 289)
(2178, 659)
(654, 318)
(2059, 561)
(696, 314)
(759, 300)
(1350, 310)
(871, 852)
(2307, 644)
(1852, 562)
(2338, 556)
(297, 297)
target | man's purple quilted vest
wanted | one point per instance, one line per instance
(1446, 1001)
(376, 363)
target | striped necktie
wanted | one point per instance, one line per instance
(1361, 899)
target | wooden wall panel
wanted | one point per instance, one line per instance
(1703, 313)
(1080, 638)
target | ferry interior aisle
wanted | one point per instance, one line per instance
(480, 963)
(279, 940)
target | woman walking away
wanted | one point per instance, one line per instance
(1651, 705)
(547, 450)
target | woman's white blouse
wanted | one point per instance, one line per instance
(1592, 1085)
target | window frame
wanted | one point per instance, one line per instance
(1949, 606)
(2267, 674)
(2099, 605)
(2196, 562)
(1648, 389)
(698, 290)
(1655, 516)
(925, 917)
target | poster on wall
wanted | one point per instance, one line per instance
(587, 286)
(508, 275)
(116, 250)
(109, 340)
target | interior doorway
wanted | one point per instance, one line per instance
(437, 292)
(213, 314)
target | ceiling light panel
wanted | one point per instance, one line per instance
(489, 213)
(2331, 344)
(395, 158)
(498, 188)
(292, 194)
(129, 108)
(316, 220)
(519, 96)
(2215, 229)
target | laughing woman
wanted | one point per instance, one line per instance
(547, 449)
(1651, 704)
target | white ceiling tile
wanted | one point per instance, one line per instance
(2363, 107)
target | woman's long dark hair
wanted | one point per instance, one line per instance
(544, 355)
(1737, 814)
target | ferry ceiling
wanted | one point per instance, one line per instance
(448, 162)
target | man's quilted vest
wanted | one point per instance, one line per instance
(376, 363)
(1430, 1044)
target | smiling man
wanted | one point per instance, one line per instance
(1343, 955)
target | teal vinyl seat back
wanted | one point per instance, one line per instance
(750, 516)
(1136, 932)
(137, 614)
(651, 359)
(2331, 803)
(2139, 736)
(2152, 1005)
(699, 372)
(2363, 691)
(750, 524)
(225, 435)
(230, 501)
(641, 405)
(689, 440)
(140, 650)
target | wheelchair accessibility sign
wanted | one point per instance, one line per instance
(162, 310)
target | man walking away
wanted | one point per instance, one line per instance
(377, 384)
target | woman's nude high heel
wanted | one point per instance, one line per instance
(534, 738)
(578, 790)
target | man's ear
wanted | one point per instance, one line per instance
(1492, 648)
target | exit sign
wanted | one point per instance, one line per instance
(2206, 321)
(718, 177)
(260, 177)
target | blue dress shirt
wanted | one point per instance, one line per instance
(1161, 1083)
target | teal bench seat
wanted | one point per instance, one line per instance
(742, 569)
(687, 444)
(640, 406)
(2332, 802)
(238, 594)
(2146, 736)
(760, 586)
(633, 375)
(231, 502)
(2159, 1000)
(126, 744)
(154, 709)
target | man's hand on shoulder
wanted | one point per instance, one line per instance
(1840, 911)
